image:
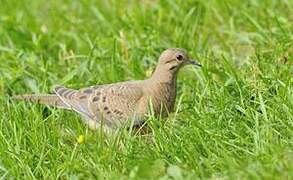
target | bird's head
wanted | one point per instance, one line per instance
(171, 60)
(175, 58)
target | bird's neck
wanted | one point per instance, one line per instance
(162, 88)
(163, 75)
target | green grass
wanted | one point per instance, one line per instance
(234, 116)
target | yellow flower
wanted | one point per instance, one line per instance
(80, 139)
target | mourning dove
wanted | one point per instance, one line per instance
(114, 105)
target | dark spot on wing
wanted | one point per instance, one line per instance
(88, 91)
(96, 98)
(82, 97)
(104, 99)
(108, 112)
(116, 111)
(98, 93)
(106, 108)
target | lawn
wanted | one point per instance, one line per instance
(233, 117)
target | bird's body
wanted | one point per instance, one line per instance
(116, 104)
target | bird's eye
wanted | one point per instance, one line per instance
(179, 57)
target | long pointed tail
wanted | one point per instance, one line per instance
(47, 99)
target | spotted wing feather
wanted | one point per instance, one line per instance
(77, 100)
(111, 104)
(115, 103)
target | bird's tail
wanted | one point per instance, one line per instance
(47, 99)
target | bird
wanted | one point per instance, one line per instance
(113, 105)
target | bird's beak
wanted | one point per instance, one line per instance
(193, 62)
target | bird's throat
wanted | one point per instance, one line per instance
(164, 75)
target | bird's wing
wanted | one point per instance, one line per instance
(78, 101)
(110, 103)
(115, 103)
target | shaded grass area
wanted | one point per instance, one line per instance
(233, 118)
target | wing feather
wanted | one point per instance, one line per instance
(115, 103)
(74, 99)
(112, 104)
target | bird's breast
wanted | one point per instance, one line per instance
(163, 98)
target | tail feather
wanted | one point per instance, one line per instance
(47, 99)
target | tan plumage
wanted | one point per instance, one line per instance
(116, 104)
(48, 99)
